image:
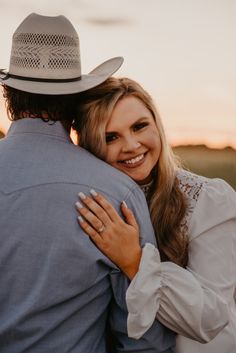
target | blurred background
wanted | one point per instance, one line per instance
(183, 53)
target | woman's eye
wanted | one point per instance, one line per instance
(110, 138)
(139, 126)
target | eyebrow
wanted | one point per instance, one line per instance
(140, 120)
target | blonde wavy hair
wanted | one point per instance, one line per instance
(166, 202)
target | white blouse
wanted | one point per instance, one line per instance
(198, 303)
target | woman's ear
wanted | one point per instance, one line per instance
(74, 136)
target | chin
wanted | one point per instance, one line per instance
(142, 181)
(145, 180)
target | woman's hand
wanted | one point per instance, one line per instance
(117, 239)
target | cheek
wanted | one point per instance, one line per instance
(155, 144)
(111, 154)
(153, 138)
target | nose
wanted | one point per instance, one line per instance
(130, 144)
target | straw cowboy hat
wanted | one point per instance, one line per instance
(45, 58)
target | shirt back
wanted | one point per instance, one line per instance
(56, 286)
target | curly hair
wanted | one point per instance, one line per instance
(22, 104)
(167, 204)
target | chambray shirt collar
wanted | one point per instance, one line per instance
(38, 126)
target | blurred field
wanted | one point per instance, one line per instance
(212, 163)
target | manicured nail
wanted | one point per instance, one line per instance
(82, 196)
(78, 205)
(125, 204)
(93, 192)
(80, 219)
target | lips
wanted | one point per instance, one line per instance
(133, 162)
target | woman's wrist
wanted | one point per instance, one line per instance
(132, 268)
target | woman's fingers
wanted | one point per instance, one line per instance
(99, 211)
(93, 212)
(94, 221)
(95, 236)
(128, 214)
(106, 205)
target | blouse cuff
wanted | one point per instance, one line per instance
(142, 296)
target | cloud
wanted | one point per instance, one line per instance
(111, 21)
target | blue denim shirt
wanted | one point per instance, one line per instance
(58, 291)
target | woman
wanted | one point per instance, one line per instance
(190, 286)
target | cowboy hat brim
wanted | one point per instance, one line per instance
(60, 87)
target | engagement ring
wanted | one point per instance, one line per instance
(101, 229)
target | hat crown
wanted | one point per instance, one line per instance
(46, 48)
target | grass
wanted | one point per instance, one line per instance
(212, 163)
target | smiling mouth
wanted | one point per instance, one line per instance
(133, 162)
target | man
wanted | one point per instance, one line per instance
(58, 291)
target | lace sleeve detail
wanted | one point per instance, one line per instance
(191, 185)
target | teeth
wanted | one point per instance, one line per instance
(134, 160)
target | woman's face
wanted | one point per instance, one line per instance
(133, 141)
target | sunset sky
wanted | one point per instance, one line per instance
(182, 51)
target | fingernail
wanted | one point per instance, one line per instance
(80, 219)
(93, 192)
(78, 205)
(82, 196)
(125, 204)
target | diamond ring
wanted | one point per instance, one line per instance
(101, 229)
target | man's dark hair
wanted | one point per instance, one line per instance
(56, 107)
